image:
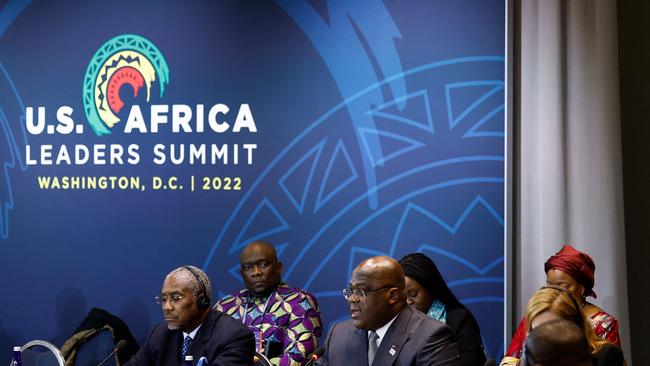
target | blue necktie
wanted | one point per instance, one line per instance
(186, 347)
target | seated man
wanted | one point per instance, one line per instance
(286, 320)
(190, 327)
(384, 330)
(556, 343)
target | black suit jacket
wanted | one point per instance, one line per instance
(221, 339)
(609, 355)
(468, 336)
(412, 339)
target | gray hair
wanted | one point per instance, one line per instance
(185, 277)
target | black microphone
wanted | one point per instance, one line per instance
(318, 353)
(118, 347)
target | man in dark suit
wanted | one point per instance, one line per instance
(384, 330)
(191, 328)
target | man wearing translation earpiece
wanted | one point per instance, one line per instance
(191, 328)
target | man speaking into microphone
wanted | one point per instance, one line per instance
(384, 330)
(191, 328)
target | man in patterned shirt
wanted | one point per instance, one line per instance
(285, 320)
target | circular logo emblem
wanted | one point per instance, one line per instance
(126, 59)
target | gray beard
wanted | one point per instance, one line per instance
(172, 327)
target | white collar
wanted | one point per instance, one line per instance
(381, 332)
(192, 334)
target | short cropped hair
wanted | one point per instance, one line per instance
(184, 276)
(559, 343)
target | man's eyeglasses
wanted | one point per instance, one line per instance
(174, 298)
(361, 294)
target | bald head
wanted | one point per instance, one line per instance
(385, 269)
(559, 343)
(379, 283)
(260, 268)
(259, 246)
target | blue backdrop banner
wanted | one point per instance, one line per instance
(141, 136)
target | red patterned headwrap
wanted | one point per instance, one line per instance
(576, 264)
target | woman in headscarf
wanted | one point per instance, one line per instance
(427, 291)
(552, 303)
(573, 270)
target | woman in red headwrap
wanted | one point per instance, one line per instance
(573, 270)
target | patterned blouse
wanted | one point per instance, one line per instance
(289, 317)
(604, 325)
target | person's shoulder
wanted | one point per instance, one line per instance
(222, 318)
(594, 311)
(418, 319)
(226, 335)
(459, 316)
(243, 293)
(599, 318)
(296, 294)
(458, 313)
(420, 323)
(609, 354)
(416, 315)
(345, 326)
(232, 299)
(159, 328)
(223, 322)
(160, 331)
(428, 334)
(602, 315)
(284, 289)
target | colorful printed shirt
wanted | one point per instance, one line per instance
(288, 316)
(438, 311)
(606, 327)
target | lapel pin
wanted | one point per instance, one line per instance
(392, 350)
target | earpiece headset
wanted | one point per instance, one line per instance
(202, 299)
